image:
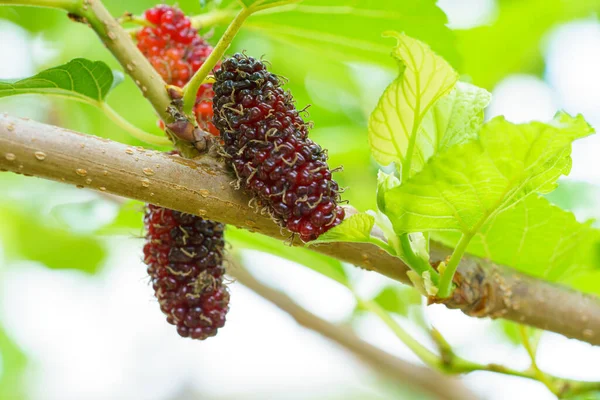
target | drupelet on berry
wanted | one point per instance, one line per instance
(266, 143)
(177, 51)
(184, 255)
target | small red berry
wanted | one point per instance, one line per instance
(177, 51)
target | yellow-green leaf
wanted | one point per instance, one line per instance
(394, 124)
(460, 189)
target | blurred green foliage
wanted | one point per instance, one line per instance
(335, 59)
(513, 42)
(34, 227)
(14, 363)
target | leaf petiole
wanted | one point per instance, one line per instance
(426, 355)
(416, 262)
(132, 129)
(212, 18)
(190, 90)
(68, 5)
(445, 286)
(134, 19)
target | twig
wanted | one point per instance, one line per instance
(119, 43)
(190, 91)
(427, 356)
(402, 372)
(203, 188)
(540, 375)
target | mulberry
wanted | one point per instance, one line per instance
(184, 254)
(265, 140)
(177, 51)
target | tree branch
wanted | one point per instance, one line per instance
(402, 372)
(119, 43)
(202, 187)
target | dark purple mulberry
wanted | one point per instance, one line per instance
(267, 144)
(184, 254)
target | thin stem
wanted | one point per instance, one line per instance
(120, 44)
(68, 5)
(400, 371)
(276, 4)
(217, 17)
(445, 287)
(446, 352)
(132, 129)
(578, 388)
(415, 262)
(427, 356)
(190, 91)
(460, 365)
(527, 344)
(531, 351)
(132, 32)
(453, 365)
(134, 19)
(224, 16)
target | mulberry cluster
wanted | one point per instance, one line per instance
(184, 254)
(177, 51)
(265, 140)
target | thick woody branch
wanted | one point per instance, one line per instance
(202, 187)
(401, 372)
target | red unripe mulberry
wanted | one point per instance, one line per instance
(177, 51)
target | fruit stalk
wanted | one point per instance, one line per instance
(191, 88)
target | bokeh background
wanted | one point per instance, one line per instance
(78, 319)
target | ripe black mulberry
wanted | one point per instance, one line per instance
(266, 143)
(184, 255)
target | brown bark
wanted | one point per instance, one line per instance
(202, 187)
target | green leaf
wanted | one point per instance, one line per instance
(581, 198)
(340, 31)
(513, 42)
(320, 263)
(357, 229)
(128, 221)
(394, 124)
(385, 182)
(79, 79)
(455, 118)
(398, 299)
(14, 366)
(26, 237)
(461, 189)
(535, 237)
